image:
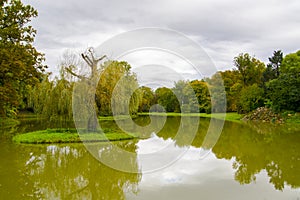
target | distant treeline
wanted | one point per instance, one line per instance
(249, 85)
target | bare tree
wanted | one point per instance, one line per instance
(92, 62)
(86, 88)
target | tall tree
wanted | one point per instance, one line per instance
(275, 61)
(115, 89)
(273, 68)
(217, 93)
(52, 99)
(250, 68)
(166, 98)
(233, 86)
(284, 91)
(20, 62)
(85, 88)
(147, 100)
(183, 94)
(202, 94)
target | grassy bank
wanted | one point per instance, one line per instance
(69, 136)
(228, 116)
(117, 117)
(293, 119)
(7, 122)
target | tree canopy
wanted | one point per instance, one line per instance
(21, 64)
(284, 92)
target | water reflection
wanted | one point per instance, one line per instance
(70, 172)
(277, 153)
(254, 148)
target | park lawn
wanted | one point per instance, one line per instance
(228, 116)
(69, 136)
(117, 117)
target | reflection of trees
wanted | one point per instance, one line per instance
(182, 131)
(277, 153)
(70, 172)
(254, 148)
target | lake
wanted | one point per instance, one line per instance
(177, 159)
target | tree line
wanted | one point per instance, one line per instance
(24, 84)
(249, 85)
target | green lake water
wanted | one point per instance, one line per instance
(177, 159)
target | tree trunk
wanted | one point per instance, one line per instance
(92, 123)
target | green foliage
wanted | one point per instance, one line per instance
(185, 96)
(250, 68)
(166, 98)
(291, 64)
(20, 62)
(217, 93)
(233, 86)
(203, 97)
(251, 97)
(117, 90)
(8, 122)
(52, 99)
(284, 91)
(276, 60)
(273, 67)
(147, 100)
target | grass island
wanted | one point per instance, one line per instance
(70, 136)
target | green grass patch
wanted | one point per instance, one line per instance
(228, 117)
(293, 119)
(117, 117)
(70, 136)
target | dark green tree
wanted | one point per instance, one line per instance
(166, 98)
(275, 61)
(20, 62)
(284, 91)
(273, 68)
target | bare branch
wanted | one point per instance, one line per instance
(87, 60)
(101, 58)
(68, 69)
(91, 51)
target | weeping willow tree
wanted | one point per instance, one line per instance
(95, 89)
(52, 99)
(116, 91)
(99, 89)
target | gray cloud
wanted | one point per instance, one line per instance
(223, 28)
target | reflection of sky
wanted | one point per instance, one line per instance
(191, 177)
(155, 153)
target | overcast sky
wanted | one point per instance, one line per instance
(223, 28)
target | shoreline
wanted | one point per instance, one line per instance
(230, 116)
